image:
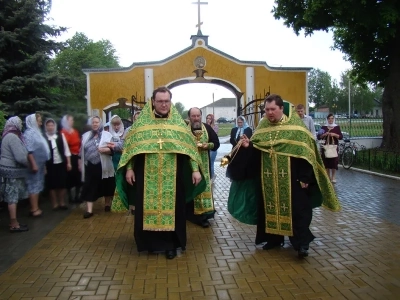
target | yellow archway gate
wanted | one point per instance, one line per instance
(199, 62)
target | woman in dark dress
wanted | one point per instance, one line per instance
(57, 166)
(242, 203)
(332, 131)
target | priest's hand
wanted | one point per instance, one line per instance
(196, 177)
(245, 141)
(204, 146)
(130, 177)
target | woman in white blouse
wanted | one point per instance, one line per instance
(58, 165)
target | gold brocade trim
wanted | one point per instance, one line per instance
(159, 192)
(204, 203)
(154, 141)
(285, 128)
(277, 194)
(157, 127)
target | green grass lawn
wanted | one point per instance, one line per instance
(359, 127)
(225, 129)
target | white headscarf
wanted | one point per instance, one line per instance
(121, 130)
(65, 124)
(32, 125)
(331, 125)
(51, 136)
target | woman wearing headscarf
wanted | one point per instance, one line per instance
(210, 120)
(13, 170)
(332, 132)
(74, 143)
(241, 128)
(242, 202)
(117, 131)
(39, 154)
(57, 166)
(96, 166)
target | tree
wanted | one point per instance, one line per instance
(181, 109)
(368, 33)
(79, 53)
(26, 44)
(320, 88)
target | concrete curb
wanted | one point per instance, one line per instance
(373, 173)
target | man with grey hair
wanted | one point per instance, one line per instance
(202, 209)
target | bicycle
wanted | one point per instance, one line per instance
(347, 152)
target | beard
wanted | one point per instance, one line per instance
(196, 125)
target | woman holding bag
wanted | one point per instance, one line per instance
(331, 133)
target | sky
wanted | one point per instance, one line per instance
(149, 30)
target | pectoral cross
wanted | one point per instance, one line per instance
(282, 173)
(160, 142)
(199, 23)
(284, 207)
(270, 206)
(267, 173)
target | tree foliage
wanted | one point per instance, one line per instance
(79, 53)
(368, 33)
(26, 43)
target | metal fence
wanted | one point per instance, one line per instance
(358, 127)
(378, 160)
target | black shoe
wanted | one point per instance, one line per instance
(269, 246)
(107, 208)
(132, 212)
(205, 224)
(170, 254)
(63, 207)
(87, 215)
(19, 229)
(302, 252)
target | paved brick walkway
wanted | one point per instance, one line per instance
(355, 256)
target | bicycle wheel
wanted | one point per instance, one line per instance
(347, 157)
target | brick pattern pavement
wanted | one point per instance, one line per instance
(355, 256)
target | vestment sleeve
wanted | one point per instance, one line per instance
(194, 166)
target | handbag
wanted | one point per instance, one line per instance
(330, 150)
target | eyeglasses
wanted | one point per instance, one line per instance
(162, 101)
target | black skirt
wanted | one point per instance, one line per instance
(74, 176)
(94, 186)
(56, 177)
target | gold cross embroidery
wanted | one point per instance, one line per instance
(270, 206)
(282, 173)
(160, 142)
(267, 173)
(284, 207)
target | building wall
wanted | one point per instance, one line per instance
(226, 112)
(106, 87)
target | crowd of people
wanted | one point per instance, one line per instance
(162, 168)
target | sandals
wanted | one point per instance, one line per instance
(32, 214)
(19, 229)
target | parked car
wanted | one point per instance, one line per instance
(222, 120)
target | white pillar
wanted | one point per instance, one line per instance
(148, 83)
(249, 84)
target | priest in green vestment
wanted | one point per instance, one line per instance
(293, 179)
(159, 171)
(202, 209)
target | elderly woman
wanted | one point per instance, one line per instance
(213, 154)
(39, 154)
(57, 166)
(332, 132)
(73, 139)
(97, 167)
(13, 170)
(117, 132)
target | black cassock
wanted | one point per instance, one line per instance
(302, 171)
(160, 240)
